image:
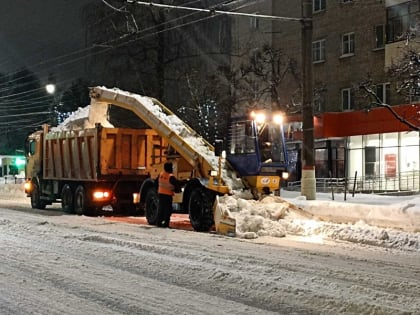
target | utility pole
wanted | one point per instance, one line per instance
(308, 188)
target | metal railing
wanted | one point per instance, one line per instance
(402, 182)
(10, 179)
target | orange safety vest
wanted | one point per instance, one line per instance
(165, 186)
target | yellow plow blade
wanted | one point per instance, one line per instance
(224, 223)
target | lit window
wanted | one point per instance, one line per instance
(346, 99)
(319, 5)
(347, 44)
(318, 51)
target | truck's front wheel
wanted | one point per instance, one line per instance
(36, 201)
(200, 208)
(152, 206)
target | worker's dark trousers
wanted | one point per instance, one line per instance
(165, 210)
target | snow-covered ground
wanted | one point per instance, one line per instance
(385, 221)
(54, 263)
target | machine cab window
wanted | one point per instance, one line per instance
(242, 140)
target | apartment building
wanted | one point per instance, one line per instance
(354, 42)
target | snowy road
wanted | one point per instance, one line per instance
(52, 263)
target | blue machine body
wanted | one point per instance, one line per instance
(257, 148)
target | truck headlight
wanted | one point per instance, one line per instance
(28, 187)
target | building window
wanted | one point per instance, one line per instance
(255, 23)
(383, 92)
(223, 37)
(318, 51)
(319, 5)
(401, 19)
(319, 103)
(347, 44)
(371, 154)
(346, 99)
(380, 36)
(346, 1)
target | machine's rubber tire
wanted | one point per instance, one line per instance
(152, 206)
(80, 201)
(67, 199)
(36, 201)
(200, 209)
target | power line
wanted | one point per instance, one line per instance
(86, 52)
(128, 41)
(26, 114)
(215, 11)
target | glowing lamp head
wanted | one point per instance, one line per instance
(28, 187)
(278, 119)
(50, 88)
(259, 117)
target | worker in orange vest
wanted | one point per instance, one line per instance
(168, 184)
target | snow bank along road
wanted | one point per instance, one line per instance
(53, 263)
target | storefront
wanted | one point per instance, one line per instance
(385, 162)
(373, 150)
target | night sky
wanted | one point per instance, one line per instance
(34, 32)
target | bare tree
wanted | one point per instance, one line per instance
(128, 46)
(375, 101)
(255, 82)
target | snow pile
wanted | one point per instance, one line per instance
(256, 218)
(395, 225)
(11, 191)
(86, 117)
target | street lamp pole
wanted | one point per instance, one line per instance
(308, 188)
(51, 88)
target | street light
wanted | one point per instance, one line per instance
(50, 88)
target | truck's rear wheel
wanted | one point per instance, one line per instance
(152, 206)
(36, 201)
(81, 202)
(67, 201)
(200, 208)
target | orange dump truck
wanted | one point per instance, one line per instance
(90, 168)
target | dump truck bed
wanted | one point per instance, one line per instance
(99, 153)
(191, 146)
